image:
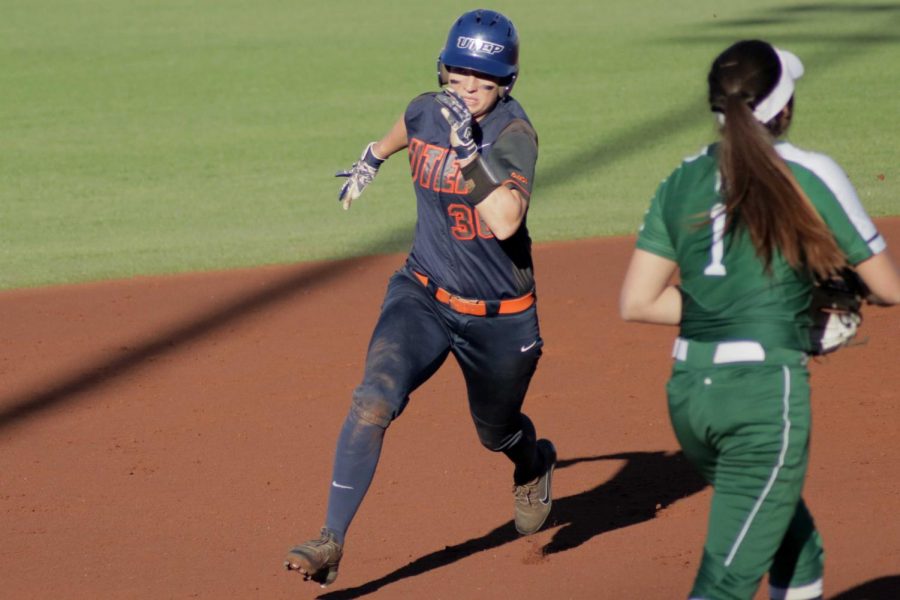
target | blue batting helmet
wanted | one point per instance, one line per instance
(484, 41)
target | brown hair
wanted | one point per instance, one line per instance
(761, 194)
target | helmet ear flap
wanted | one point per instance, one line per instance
(508, 85)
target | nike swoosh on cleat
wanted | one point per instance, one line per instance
(546, 498)
(343, 487)
(528, 347)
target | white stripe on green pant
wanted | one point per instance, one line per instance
(744, 424)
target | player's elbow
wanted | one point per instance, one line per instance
(881, 274)
(631, 315)
(630, 307)
(504, 231)
(503, 211)
(504, 224)
(888, 298)
(887, 289)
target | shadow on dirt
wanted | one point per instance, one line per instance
(646, 483)
(19, 409)
(883, 588)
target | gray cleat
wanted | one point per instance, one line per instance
(534, 499)
(316, 559)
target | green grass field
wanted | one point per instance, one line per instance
(160, 136)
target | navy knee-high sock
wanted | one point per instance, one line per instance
(524, 454)
(358, 450)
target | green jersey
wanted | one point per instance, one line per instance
(727, 292)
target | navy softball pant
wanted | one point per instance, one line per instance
(414, 335)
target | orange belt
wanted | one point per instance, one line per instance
(478, 308)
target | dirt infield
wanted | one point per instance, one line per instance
(172, 437)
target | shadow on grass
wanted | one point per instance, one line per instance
(841, 8)
(591, 160)
(796, 12)
(646, 483)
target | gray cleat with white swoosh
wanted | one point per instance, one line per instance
(534, 499)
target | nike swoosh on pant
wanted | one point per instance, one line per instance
(343, 487)
(528, 347)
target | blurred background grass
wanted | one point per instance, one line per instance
(161, 136)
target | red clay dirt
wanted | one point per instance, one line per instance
(172, 437)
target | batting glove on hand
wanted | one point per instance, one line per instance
(458, 116)
(361, 174)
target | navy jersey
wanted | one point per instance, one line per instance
(452, 246)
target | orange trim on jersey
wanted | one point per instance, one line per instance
(519, 177)
(518, 186)
(478, 308)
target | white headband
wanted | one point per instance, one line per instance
(771, 105)
(791, 70)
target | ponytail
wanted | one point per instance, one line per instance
(760, 191)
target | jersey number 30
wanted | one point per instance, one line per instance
(467, 224)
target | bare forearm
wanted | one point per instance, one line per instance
(665, 309)
(362, 172)
(503, 211)
(647, 296)
(393, 141)
(882, 276)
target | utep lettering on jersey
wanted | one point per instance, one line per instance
(432, 169)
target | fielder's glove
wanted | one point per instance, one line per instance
(361, 174)
(455, 111)
(836, 311)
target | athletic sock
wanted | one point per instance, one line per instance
(358, 450)
(524, 454)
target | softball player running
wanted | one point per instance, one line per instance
(467, 287)
(749, 223)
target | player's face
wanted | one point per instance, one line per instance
(479, 91)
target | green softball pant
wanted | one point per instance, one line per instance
(742, 416)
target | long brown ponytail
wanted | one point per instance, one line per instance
(761, 194)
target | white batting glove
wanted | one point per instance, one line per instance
(361, 174)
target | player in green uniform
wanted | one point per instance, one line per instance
(748, 224)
